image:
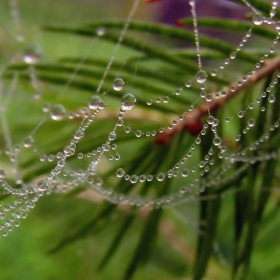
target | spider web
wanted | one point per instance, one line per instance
(76, 140)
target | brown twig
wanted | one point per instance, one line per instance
(193, 120)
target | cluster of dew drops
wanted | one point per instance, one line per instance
(30, 194)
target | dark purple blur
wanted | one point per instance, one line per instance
(169, 11)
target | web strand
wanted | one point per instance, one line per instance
(112, 58)
(196, 33)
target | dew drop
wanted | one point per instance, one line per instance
(203, 94)
(258, 19)
(133, 179)
(142, 178)
(217, 141)
(46, 107)
(42, 185)
(160, 177)
(128, 101)
(197, 140)
(149, 102)
(120, 172)
(240, 114)
(150, 178)
(94, 102)
(271, 98)
(120, 122)
(138, 133)
(209, 97)
(251, 122)
(100, 31)
(2, 173)
(102, 105)
(112, 135)
(43, 157)
(272, 13)
(118, 84)
(214, 72)
(188, 84)
(185, 172)
(233, 55)
(210, 120)
(251, 106)
(78, 134)
(32, 55)
(201, 76)
(57, 112)
(68, 150)
(166, 99)
(28, 142)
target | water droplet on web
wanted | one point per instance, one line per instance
(251, 122)
(112, 135)
(160, 177)
(188, 84)
(43, 157)
(31, 55)
(214, 72)
(42, 185)
(185, 172)
(118, 84)
(138, 133)
(68, 150)
(201, 76)
(120, 122)
(100, 31)
(78, 134)
(80, 155)
(149, 102)
(133, 179)
(210, 120)
(217, 141)
(233, 55)
(240, 114)
(46, 107)
(150, 178)
(209, 97)
(251, 106)
(102, 105)
(57, 112)
(28, 142)
(258, 19)
(128, 101)
(272, 13)
(142, 178)
(94, 102)
(271, 98)
(120, 172)
(166, 99)
(2, 173)
(203, 94)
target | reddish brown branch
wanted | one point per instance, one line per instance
(193, 120)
